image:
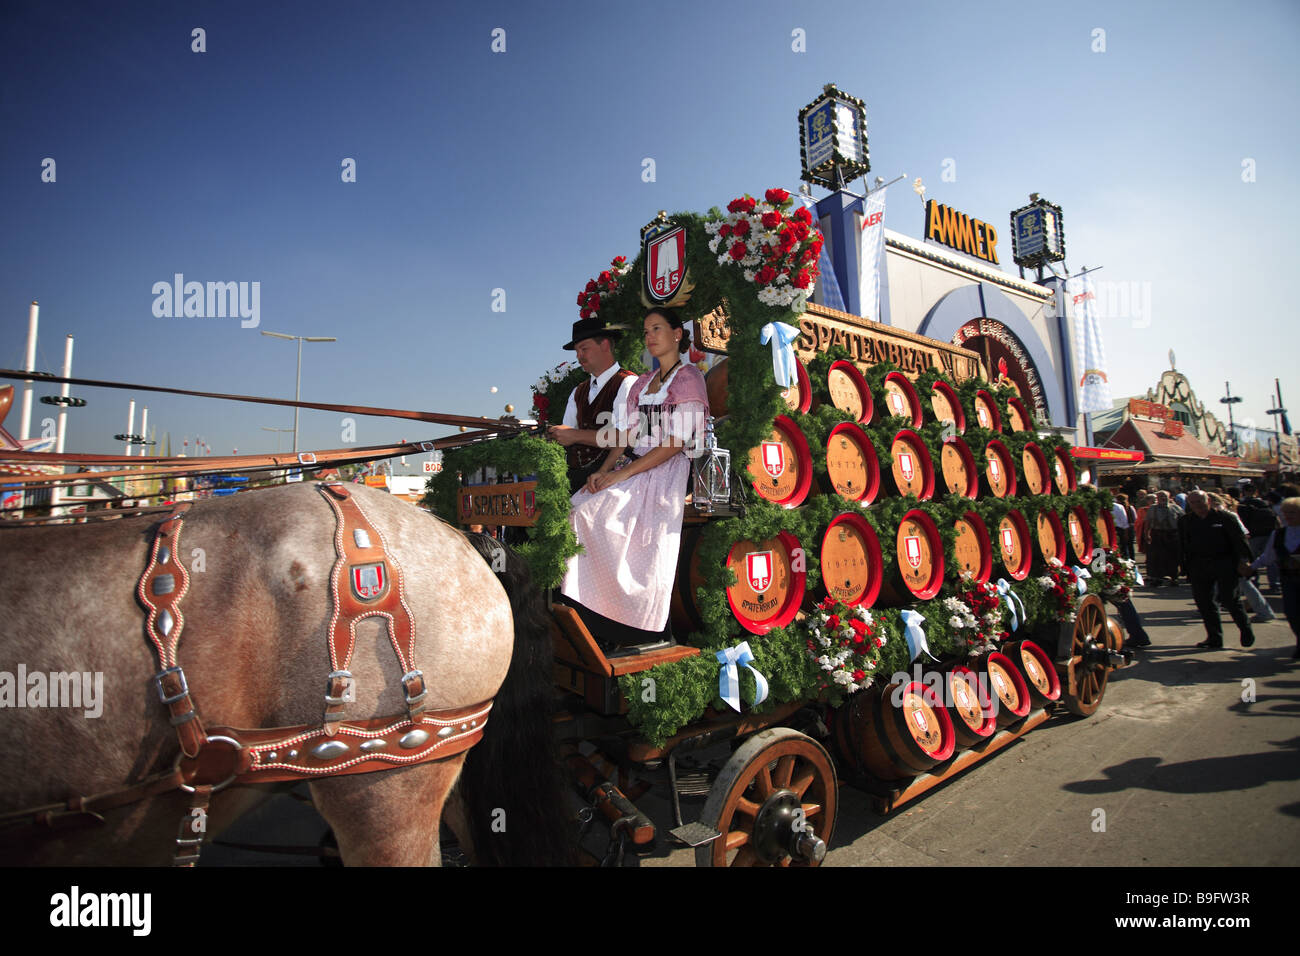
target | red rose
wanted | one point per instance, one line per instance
(800, 230)
(807, 256)
(541, 402)
(858, 638)
(741, 228)
(593, 302)
(859, 627)
(764, 275)
(591, 286)
(744, 204)
(605, 278)
(833, 622)
(802, 215)
(582, 298)
(584, 314)
(776, 196)
(801, 279)
(787, 240)
(725, 231)
(859, 674)
(738, 251)
(619, 262)
(772, 219)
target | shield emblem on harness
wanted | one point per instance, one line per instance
(665, 262)
(758, 567)
(774, 458)
(369, 581)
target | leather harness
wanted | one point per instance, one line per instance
(366, 581)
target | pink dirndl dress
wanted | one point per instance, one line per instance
(632, 530)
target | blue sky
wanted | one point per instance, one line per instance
(521, 171)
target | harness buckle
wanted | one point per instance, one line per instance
(406, 689)
(234, 771)
(349, 694)
(162, 694)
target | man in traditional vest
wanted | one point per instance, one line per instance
(595, 404)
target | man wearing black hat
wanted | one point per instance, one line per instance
(597, 402)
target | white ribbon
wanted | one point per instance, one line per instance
(1012, 599)
(729, 675)
(1083, 575)
(782, 337)
(914, 634)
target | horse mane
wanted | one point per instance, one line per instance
(515, 767)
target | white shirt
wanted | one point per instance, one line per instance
(1268, 556)
(620, 400)
(1121, 515)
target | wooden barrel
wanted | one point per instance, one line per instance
(781, 467)
(986, 411)
(1034, 464)
(683, 607)
(1007, 688)
(1018, 415)
(768, 590)
(1013, 545)
(1079, 531)
(901, 398)
(919, 552)
(851, 562)
(1041, 679)
(1051, 536)
(912, 470)
(897, 732)
(852, 467)
(849, 391)
(1063, 474)
(798, 397)
(1105, 525)
(969, 706)
(972, 547)
(999, 472)
(947, 406)
(957, 465)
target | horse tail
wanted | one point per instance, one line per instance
(511, 785)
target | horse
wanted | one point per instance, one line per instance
(257, 615)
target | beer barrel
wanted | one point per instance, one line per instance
(958, 467)
(1013, 545)
(768, 590)
(1051, 536)
(849, 391)
(1063, 472)
(1105, 526)
(1041, 679)
(912, 470)
(919, 552)
(969, 706)
(1007, 687)
(1018, 415)
(852, 467)
(901, 398)
(851, 562)
(947, 406)
(1034, 464)
(972, 548)
(1080, 533)
(999, 472)
(798, 397)
(683, 608)
(986, 411)
(897, 732)
(781, 466)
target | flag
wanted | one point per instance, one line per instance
(828, 286)
(1094, 387)
(873, 254)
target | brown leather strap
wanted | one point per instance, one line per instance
(160, 590)
(193, 826)
(366, 582)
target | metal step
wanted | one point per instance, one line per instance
(695, 834)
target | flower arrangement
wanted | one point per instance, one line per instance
(605, 284)
(845, 642)
(977, 615)
(546, 385)
(1119, 578)
(777, 249)
(1062, 583)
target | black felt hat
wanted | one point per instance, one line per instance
(593, 328)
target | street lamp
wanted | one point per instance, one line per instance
(277, 436)
(298, 384)
(1232, 430)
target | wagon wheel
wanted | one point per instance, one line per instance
(1094, 638)
(773, 803)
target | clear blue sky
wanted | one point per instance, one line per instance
(522, 171)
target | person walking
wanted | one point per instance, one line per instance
(1283, 551)
(1163, 545)
(1259, 607)
(1216, 553)
(1125, 517)
(1260, 520)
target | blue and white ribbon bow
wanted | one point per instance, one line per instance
(782, 337)
(729, 675)
(914, 634)
(1012, 599)
(1083, 575)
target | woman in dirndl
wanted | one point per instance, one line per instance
(628, 517)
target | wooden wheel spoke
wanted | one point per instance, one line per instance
(764, 781)
(747, 808)
(810, 810)
(801, 785)
(784, 771)
(735, 839)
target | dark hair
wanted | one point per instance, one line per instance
(675, 321)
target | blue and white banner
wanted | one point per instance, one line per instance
(828, 286)
(1094, 388)
(873, 254)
